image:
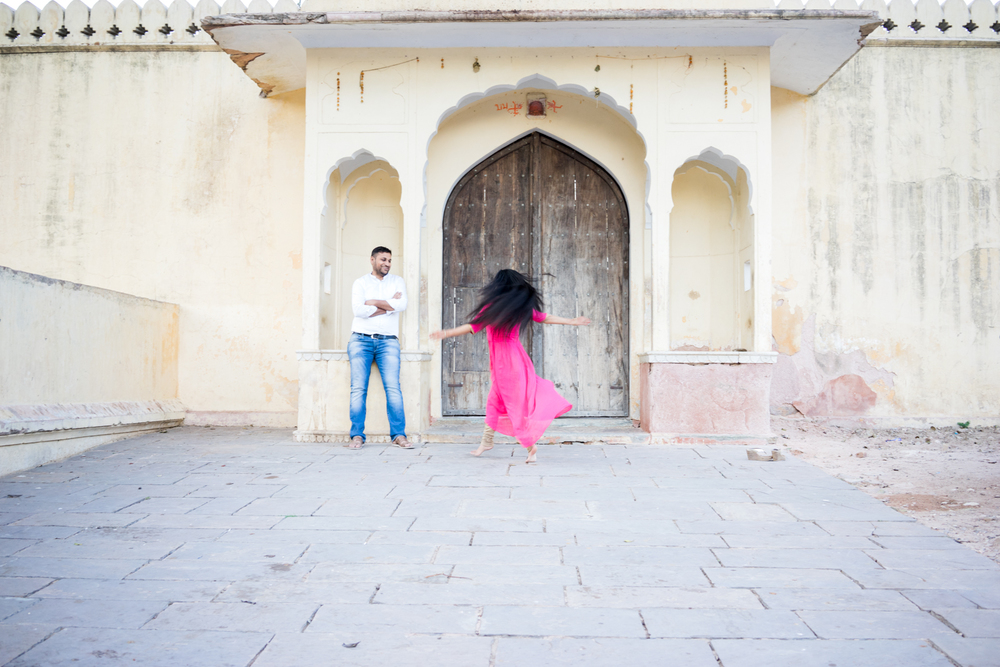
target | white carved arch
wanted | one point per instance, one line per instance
(364, 177)
(688, 166)
(538, 81)
(349, 165)
(729, 165)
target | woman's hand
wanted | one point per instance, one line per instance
(580, 321)
(437, 335)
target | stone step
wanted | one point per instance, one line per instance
(613, 431)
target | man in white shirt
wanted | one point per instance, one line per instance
(377, 299)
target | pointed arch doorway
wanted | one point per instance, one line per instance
(541, 207)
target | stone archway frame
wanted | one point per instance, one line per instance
(728, 164)
(347, 166)
(541, 82)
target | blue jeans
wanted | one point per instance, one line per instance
(362, 350)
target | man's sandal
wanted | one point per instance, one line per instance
(402, 442)
(357, 442)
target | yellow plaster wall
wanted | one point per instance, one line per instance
(418, 111)
(69, 343)
(702, 299)
(887, 238)
(711, 236)
(165, 176)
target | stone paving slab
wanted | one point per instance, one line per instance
(980, 623)
(356, 649)
(379, 573)
(503, 572)
(17, 587)
(932, 599)
(970, 652)
(898, 528)
(36, 532)
(873, 624)
(101, 589)
(725, 623)
(879, 653)
(215, 546)
(16, 639)
(10, 607)
(650, 597)
(85, 613)
(987, 597)
(239, 616)
(314, 591)
(775, 577)
(655, 575)
(797, 599)
(562, 621)
(574, 652)
(367, 618)
(89, 647)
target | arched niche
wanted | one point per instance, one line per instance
(711, 255)
(484, 122)
(499, 95)
(482, 125)
(362, 211)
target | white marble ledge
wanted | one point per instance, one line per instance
(677, 357)
(33, 418)
(341, 355)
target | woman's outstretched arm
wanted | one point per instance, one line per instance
(451, 333)
(576, 321)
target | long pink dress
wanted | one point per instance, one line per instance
(520, 403)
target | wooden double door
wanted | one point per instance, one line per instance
(542, 208)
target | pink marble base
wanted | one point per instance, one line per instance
(716, 399)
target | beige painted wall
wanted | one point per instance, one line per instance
(164, 175)
(711, 304)
(886, 293)
(70, 343)
(79, 367)
(431, 115)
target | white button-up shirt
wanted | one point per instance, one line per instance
(369, 287)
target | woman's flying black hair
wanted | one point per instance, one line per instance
(508, 301)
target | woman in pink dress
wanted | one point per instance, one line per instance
(520, 403)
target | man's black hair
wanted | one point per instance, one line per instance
(380, 249)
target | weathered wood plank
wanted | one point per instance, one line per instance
(541, 208)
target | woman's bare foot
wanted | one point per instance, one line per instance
(531, 454)
(486, 444)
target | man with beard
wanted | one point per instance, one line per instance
(377, 299)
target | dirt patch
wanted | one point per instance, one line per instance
(945, 478)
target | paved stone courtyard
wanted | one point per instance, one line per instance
(240, 547)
